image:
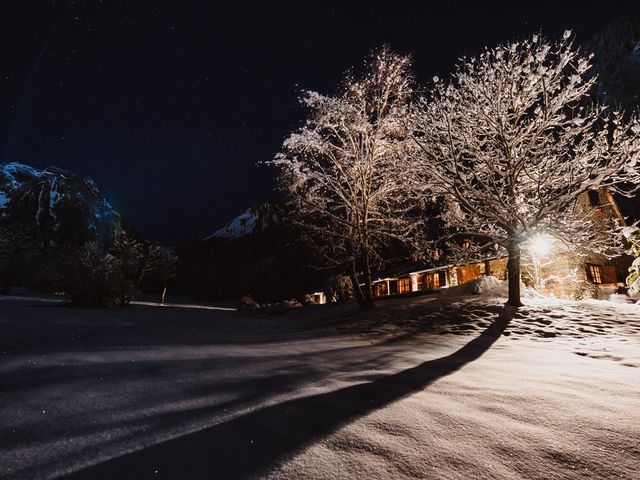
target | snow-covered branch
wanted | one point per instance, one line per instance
(346, 171)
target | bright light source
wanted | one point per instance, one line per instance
(540, 244)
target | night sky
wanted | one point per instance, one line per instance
(169, 105)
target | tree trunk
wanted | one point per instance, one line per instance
(513, 269)
(368, 288)
(357, 289)
(164, 293)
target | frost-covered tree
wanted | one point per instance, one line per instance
(345, 170)
(512, 141)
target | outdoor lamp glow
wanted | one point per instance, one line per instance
(541, 244)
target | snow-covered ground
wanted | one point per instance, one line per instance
(432, 387)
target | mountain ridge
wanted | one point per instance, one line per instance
(253, 220)
(59, 205)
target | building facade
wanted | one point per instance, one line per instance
(561, 272)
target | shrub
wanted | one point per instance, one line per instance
(338, 288)
(248, 304)
(94, 275)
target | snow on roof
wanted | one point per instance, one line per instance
(427, 270)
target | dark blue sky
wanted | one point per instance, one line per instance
(169, 105)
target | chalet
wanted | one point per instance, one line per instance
(555, 271)
(318, 297)
(418, 280)
(414, 280)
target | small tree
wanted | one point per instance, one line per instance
(338, 289)
(512, 141)
(96, 275)
(344, 171)
(164, 264)
(86, 275)
(131, 262)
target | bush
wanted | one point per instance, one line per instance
(18, 250)
(88, 276)
(338, 288)
(93, 275)
(292, 303)
(248, 304)
(280, 307)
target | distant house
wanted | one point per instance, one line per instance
(569, 274)
(319, 298)
(561, 272)
(417, 280)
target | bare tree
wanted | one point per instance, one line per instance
(344, 171)
(163, 264)
(513, 140)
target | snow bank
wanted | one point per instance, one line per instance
(488, 286)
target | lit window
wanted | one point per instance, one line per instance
(596, 273)
(380, 289)
(404, 285)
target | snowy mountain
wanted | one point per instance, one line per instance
(257, 253)
(59, 205)
(252, 220)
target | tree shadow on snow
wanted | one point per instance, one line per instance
(260, 440)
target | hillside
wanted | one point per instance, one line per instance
(253, 220)
(256, 253)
